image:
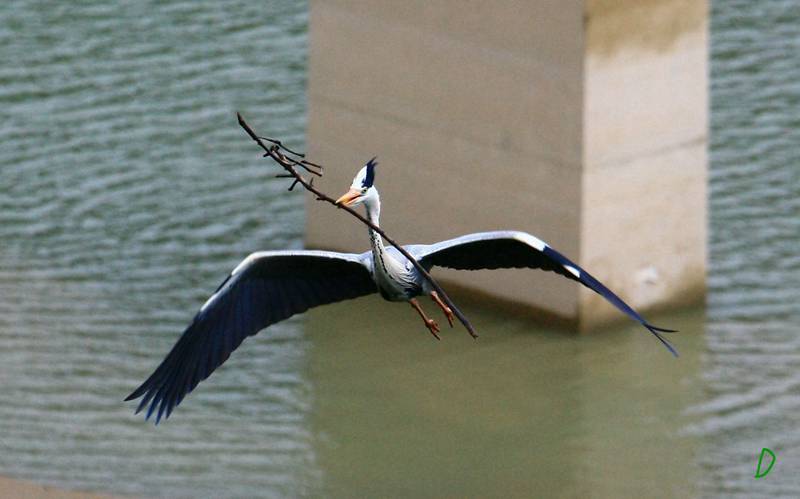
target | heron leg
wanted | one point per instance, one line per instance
(447, 312)
(429, 323)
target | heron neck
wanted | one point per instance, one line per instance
(375, 239)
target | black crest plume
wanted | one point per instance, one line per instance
(370, 176)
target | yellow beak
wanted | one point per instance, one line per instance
(348, 198)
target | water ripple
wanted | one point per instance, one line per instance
(753, 355)
(128, 193)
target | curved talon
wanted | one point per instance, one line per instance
(433, 328)
(429, 323)
(447, 311)
(449, 314)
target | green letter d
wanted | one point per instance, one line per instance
(760, 459)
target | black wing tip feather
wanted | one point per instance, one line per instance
(592, 283)
(159, 405)
(656, 332)
(154, 406)
(153, 398)
(661, 329)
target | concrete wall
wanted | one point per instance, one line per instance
(643, 222)
(520, 115)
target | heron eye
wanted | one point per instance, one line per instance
(363, 190)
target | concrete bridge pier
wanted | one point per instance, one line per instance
(581, 122)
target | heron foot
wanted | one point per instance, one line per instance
(449, 314)
(429, 323)
(447, 311)
(433, 328)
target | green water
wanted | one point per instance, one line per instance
(522, 412)
(127, 191)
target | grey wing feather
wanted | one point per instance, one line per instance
(513, 249)
(488, 250)
(267, 287)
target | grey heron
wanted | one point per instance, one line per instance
(270, 286)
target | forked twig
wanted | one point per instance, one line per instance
(285, 148)
(290, 165)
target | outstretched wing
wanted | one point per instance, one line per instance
(512, 249)
(267, 287)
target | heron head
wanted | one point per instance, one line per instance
(362, 188)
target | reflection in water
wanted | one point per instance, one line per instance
(520, 412)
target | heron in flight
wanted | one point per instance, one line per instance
(270, 286)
